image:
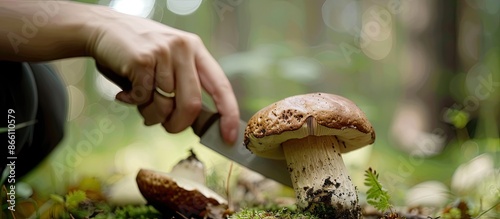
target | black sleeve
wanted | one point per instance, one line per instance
(38, 98)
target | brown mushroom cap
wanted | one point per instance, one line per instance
(303, 115)
(168, 193)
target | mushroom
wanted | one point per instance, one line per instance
(172, 194)
(190, 168)
(311, 131)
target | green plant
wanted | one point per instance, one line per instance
(376, 195)
(76, 204)
(73, 199)
(453, 213)
(140, 212)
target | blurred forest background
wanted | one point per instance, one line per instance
(426, 73)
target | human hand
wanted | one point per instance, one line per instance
(147, 54)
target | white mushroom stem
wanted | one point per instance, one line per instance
(319, 175)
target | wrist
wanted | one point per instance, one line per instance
(94, 27)
(85, 27)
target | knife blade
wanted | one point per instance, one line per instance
(206, 126)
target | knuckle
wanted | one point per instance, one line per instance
(170, 129)
(162, 50)
(222, 89)
(186, 41)
(140, 60)
(173, 128)
(192, 106)
(145, 59)
(194, 38)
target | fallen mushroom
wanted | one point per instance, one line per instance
(172, 194)
(311, 131)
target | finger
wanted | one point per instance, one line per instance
(188, 93)
(161, 107)
(156, 111)
(142, 80)
(215, 82)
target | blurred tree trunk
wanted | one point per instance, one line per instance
(429, 63)
(231, 31)
(448, 64)
(315, 26)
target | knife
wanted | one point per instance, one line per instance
(206, 126)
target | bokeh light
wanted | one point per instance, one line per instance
(74, 70)
(76, 103)
(376, 38)
(341, 16)
(428, 193)
(183, 7)
(141, 8)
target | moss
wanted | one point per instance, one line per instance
(313, 211)
(141, 211)
(283, 213)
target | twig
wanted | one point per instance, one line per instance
(227, 185)
(179, 213)
(486, 211)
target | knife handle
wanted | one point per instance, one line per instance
(204, 120)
